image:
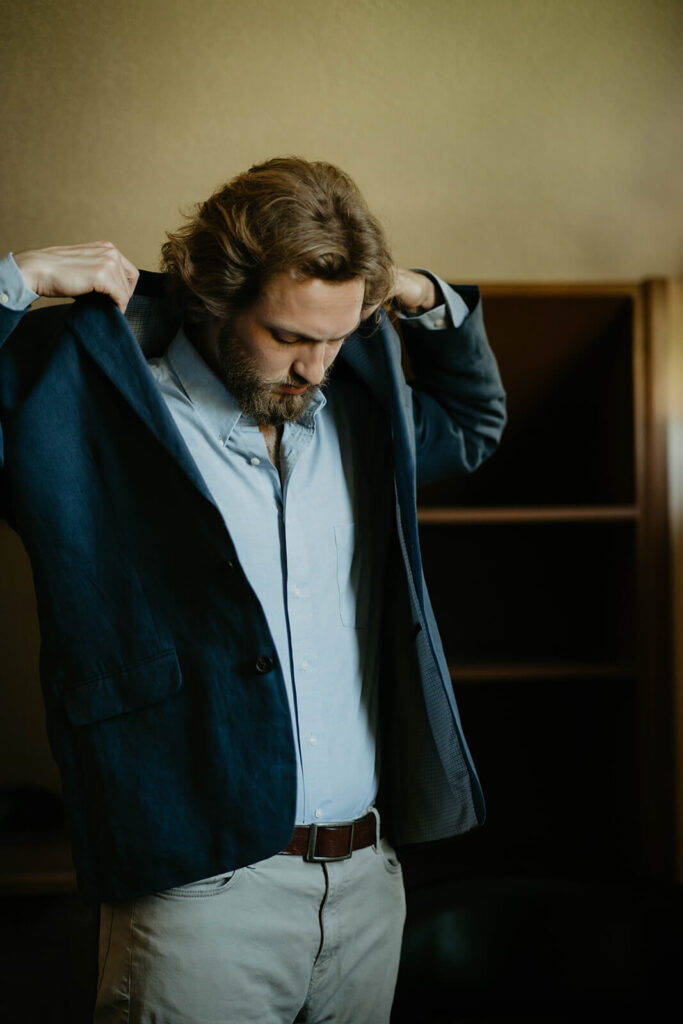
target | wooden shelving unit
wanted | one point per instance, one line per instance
(548, 571)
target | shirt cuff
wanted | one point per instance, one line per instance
(15, 295)
(450, 313)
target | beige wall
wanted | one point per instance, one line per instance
(499, 139)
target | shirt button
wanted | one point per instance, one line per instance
(304, 665)
(221, 441)
(312, 740)
(297, 592)
(440, 323)
(254, 461)
(318, 813)
(4, 298)
(264, 663)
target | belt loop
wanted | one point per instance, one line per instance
(377, 827)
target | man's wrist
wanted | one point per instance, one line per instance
(15, 294)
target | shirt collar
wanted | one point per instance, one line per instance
(210, 396)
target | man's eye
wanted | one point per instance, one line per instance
(281, 340)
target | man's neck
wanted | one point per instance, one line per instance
(272, 436)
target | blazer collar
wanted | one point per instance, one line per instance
(368, 356)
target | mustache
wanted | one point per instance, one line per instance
(295, 381)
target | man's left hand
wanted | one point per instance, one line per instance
(413, 293)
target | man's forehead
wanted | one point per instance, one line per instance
(311, 307)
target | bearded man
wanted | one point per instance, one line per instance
(245, 688)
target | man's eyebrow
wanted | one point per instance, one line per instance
(278, 329)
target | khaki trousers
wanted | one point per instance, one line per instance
(278, 942)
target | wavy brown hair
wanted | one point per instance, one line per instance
(287, 214)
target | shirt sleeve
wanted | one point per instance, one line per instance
(450, 313)
(15, 295)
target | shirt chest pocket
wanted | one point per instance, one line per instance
(353, 576)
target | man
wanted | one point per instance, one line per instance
(236, 635)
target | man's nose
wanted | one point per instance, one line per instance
(310, 363)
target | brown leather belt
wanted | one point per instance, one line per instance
(333, 841)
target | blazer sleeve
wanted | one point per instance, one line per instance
(458, 398)
(25, 336)
(9, 319)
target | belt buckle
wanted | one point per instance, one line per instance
(312, 857)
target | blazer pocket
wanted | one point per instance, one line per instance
(136, 686)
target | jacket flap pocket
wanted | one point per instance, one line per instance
(146, 682)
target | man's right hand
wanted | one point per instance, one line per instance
(66, 271)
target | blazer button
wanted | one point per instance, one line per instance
(264, 663)
(227, 565)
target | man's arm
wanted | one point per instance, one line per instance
(458, 396)
(64, 271)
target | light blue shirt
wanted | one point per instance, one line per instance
(312, 542)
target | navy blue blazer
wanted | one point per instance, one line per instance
(166, 706)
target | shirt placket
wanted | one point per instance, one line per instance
(305, 650)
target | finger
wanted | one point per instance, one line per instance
(129, 275)
(118, 275)
(119, 285)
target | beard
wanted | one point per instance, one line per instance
(258, 398)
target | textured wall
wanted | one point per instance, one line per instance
(499, 139)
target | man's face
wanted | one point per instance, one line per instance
(273, 356)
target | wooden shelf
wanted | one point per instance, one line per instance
(533, 514)
(541, 671)
(33, 864)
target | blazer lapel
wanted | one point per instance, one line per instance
(102, 330)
